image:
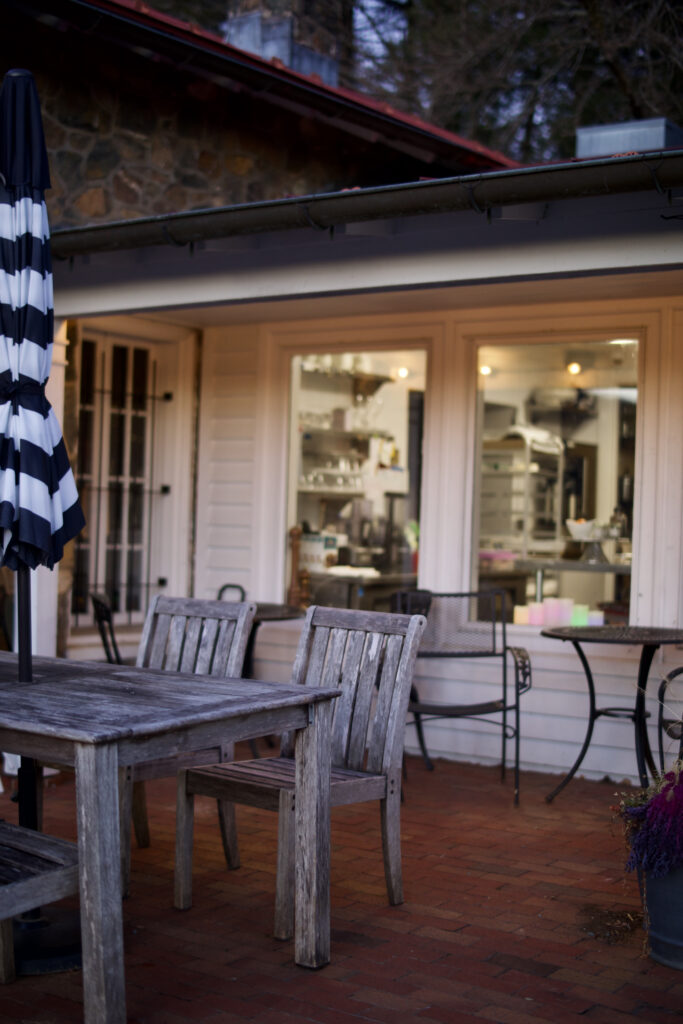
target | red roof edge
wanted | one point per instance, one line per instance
(145, 16)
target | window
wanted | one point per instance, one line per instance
(355, 469)
(556, 440)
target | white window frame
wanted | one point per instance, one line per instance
(277, 347)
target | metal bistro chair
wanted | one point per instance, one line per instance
(669, 722)
(105, 624)
(469, 625)
(370, 656)
(182, 635)
(240, 593)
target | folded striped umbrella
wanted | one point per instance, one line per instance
(39, 506)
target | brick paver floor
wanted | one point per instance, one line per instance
(512, 915)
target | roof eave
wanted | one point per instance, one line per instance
(660, 171)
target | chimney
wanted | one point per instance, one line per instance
(628, 137)
(301, 43)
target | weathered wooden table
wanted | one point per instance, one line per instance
(95, 716)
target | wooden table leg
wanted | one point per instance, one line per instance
(97, 807)
(312, 865)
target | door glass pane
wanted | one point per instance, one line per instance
(556, 445)
(135, 514)
(140, 365)
(87, 390)
(138, 429)
(115, 519)
(85, 440)
(117, 432)
(355, 472)
(134, 581)
(119, 376)
(112, 577)
(81, 585)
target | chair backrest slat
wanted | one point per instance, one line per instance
(184, 634)
(389, 705)
(205, 648)
(231, 645)
(371, 657)
(155, 653)
(346, 703)
(366, 683)
(191, 635)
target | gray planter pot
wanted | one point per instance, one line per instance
(664, 899)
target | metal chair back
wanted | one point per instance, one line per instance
(105, 624)
(469, 624)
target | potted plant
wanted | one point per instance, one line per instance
(653, 825)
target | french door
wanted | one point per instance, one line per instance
(115, 474)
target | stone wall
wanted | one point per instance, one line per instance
(114, 156)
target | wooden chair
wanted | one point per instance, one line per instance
(182, 635)
(669, 717)
(470, 624)
(34, 869)
(370, 656)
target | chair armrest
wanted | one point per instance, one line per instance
(522, 662)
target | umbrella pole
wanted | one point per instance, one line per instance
(27, 782)
(24, 623)
(48, 940)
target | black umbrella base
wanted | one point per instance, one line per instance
(48, 943)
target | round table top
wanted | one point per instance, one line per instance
(271, 612)
(615, 634)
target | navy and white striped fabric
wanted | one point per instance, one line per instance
(39, 506)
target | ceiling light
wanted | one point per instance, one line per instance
(573, 368)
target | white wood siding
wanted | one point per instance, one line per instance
(225, 480)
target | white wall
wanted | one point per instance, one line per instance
(226, 472)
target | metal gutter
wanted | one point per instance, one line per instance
(660, 171)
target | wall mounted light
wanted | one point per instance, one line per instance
(574, 368)
(485, 370)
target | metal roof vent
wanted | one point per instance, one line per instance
(628, 137)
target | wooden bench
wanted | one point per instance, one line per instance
(34, 869)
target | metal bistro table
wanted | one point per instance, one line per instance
(267, 612)
(95, 717)
(649, 638)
